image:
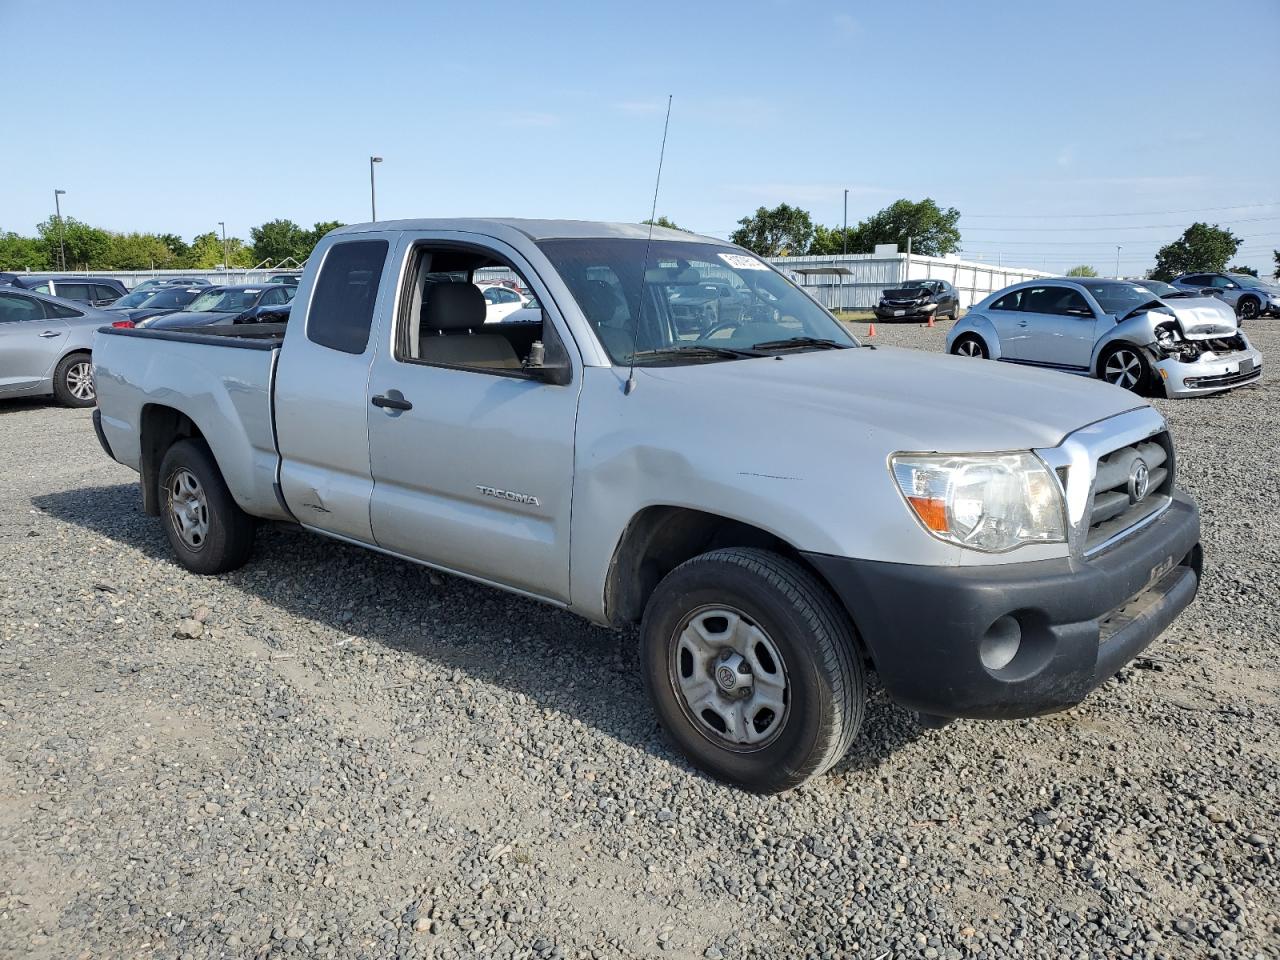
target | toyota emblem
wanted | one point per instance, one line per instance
(1139, 481)
(726, 678)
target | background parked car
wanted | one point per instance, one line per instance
(500, 301)
(1250, 296)
(919, 298)
(141, 305)
(259, 303)
(95, 291)
(290, 279)
(1165, 291)
(45, 346)
(156, 283)
(1114, 330)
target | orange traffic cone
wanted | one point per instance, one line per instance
(871, 331)
(930, 323)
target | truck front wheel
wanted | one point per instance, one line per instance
(207, 529)
(752, 668)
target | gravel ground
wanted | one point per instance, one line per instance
(333, 754)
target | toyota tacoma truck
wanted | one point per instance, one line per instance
(778, 507)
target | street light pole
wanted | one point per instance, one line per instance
(224, 245)
(373, 194)
(1117, 261)
(844, 234)
(62, 246)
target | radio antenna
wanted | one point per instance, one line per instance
(644, 267)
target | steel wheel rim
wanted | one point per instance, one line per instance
(729, 678)
(1124, 369)
(80, 380)
(188, 508)
(969, 348)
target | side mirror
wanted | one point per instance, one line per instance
(548, 360)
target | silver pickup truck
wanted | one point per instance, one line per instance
(778, 507)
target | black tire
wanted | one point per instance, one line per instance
(971, 341)
(227, 537)
(1126, 366)
(73, 381)
(818, 662)
(1248, 308)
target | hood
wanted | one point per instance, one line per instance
(907, 293)
(1200, 318)
(138, 313)
(893, 399)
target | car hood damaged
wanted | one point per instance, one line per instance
(1199, 318)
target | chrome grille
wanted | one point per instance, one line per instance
(1115, 507)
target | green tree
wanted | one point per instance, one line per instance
(1276, 254)
(139, 251)
(1242, 269)
(783, 231)
(665, 222)
(1084, 270)
(934, 232)
(1201, 248)
(88, 248)
(316, 234)
(23, 253)
(180, 249)
(278, 240)
(830, 241)
(206, 252)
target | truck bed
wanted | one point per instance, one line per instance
(221, 378)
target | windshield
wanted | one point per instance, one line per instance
(170, 297)
(1118, 298)
(225, 301)
(917, 285)
(135, 299)
(708, 299)
(1159, 288)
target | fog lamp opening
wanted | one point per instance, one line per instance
(1000, 643)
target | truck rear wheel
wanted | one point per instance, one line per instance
(752, 668)
(207, 529)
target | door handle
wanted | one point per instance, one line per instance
(391, 403)
(1022, 323)
(50, 333)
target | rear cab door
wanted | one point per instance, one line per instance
(321, 393)
(471, 453)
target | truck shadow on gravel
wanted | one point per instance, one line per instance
(554, 658)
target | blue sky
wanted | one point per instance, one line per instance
(1032, 118)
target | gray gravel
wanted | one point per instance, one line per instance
(332, 754)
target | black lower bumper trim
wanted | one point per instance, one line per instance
(1019, 639)
(102, 437)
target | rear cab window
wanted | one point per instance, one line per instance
(345, 292)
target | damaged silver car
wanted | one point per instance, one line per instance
(1115, 330)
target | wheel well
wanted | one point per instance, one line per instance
(659, 539)
(160, 428)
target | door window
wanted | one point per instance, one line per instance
(74, 291)
(1196, 280)
(1010, 301)
(1060, 301)
(60, 310)
(344, 294)
(443, 320)
(103, 292)
(1220, 283)
(15, 309)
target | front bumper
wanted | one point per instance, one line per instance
(902, 311)
(1182, 379)
(930, 630)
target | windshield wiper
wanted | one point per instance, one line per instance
(820, 343)
(695, 351)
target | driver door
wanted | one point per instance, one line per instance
(1062, 327)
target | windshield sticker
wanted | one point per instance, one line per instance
(742, 262)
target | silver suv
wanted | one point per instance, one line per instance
(1249, 296)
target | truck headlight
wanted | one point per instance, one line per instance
(989, 502)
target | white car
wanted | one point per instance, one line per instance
(500, 301)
